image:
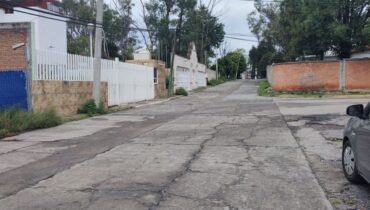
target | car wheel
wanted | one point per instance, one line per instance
(349, 164)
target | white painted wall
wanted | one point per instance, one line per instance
(126, 82)
(189, 74)
(49, 34)
(211, 74)
(365, 54)
(142, 54)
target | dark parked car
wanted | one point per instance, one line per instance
(356, 144)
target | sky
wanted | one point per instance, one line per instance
(233, 13)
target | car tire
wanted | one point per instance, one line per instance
(349, 164)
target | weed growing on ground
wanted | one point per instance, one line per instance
(15, 120)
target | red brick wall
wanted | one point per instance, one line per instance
(12, 59)
(306, 76)
(357, 75)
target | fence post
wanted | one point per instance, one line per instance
(342, 75)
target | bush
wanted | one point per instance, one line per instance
(16, 120)
(91, 109)
(45, 119)
(264, 88)
(182, 92)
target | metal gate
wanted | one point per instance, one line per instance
(13, 89)
(201, 79)
(183, 78)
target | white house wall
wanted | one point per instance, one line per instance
(49, 34)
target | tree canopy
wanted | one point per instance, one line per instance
(297, 28)
(191, 21)
(232, 64)
(119, 40)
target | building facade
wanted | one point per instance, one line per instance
(189, 74)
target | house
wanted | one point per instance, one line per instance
(49, 32)
(189, 74)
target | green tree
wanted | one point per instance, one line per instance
(262, 56)
(312, 27)
(351, 26)
(190, 22)
(232, 65)
(117, 23)
(205, 30)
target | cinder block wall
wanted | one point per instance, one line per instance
(64, 96)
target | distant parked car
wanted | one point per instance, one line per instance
(356, 144)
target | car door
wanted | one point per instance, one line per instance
(363, 147)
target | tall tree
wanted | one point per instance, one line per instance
(117, 22)
(232, 65)
(351, 28)
(190, 22)
(311, 27)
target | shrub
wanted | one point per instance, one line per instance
(101, 108)
(91, 109)
(16, 120)
(181, 91)
(45, 119)
(88, 108)
(215, 82)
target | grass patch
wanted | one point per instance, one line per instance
(14, 120)
(181, 92)
(264, 89)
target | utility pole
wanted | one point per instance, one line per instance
(236, 76)
(169, 91)
(98, 43)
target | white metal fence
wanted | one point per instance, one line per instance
(126, 82)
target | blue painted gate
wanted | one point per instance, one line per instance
(13, 89)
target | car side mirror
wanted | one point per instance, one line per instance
(356, 111)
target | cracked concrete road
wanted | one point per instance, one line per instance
(318, 127)
(224, 148)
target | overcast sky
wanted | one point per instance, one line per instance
(233, 15)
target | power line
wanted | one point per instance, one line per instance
(240, 39)
(14, 4)
(67, 19)
(238, 34)
(325, 2)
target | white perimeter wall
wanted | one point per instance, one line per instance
(49, 34)
(126, 82)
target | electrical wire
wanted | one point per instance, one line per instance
(241, 39)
